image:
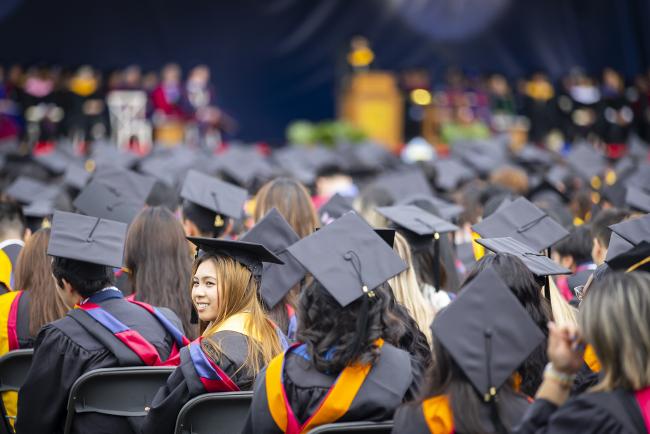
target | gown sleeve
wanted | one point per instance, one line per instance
(576, 415)
(58, 362)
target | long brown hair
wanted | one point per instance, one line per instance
(159, 263)
(238, 293)
(292, 200)
(34, 274)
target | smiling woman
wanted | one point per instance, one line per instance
(237, 339)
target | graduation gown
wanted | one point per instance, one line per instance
(184, 383)
(410, 418)
(64, 351)
(388, 383)
(615, 412)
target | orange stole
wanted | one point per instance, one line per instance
(438, 415)
(335, 404)
(8, 308)
(591, 359)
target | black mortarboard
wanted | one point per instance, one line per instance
(348, 258)
(39, 209)
(534, 156)
(637, 199)
(627, 234)
(416, 220)
(214, 194)
(450, 173)
(635, 259)
(487, 332)
(123, 183)
(28, 190)
(388, 235)
(108, 155)
(56, 161)
(334, 208)
(98, 200)
(640, 177)
(87, 239)
(538, 263)
(588, 162)
(250, 255)
(447, 210)
(524, 222)
(76, 176)
(171, 166)
(405, 183)
(244, 165)
(274, 233)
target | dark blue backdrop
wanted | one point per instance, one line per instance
(277, 60)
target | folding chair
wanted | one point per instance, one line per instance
(14, 366)
(214, 413)
(123, 392)
(365, 427)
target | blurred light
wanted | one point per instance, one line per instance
(421, 96)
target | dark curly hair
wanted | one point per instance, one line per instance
(524, 286)
(331, 332)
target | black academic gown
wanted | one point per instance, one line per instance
(25, 340)
(184, 383)
(409, 418)
(63, 352)
(603, 412)
(390, 381)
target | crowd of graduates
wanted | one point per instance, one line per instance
(498, 289)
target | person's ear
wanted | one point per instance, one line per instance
(70, 296)
(27, 234)
(229, 228)
(190, 228)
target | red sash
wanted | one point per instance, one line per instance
(336, 403)
(134, 340)
(213, 378)
(643, 399)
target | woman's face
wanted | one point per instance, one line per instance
(205, 295)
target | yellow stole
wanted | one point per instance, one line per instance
(591, 359)
(10, 399)
(479, 250)
(336, 403)
(438, 415)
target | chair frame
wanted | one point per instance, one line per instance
(8, 358)
(362, 426)
(220, 396)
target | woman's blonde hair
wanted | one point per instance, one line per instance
(614, 320)
(292, 200)
(562, 311)
(238, 294)
(407, 292)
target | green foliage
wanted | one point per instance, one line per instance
(326, 133)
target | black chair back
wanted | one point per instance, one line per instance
(364, 427)
(214, 413)
(14, 366)
(115, 391)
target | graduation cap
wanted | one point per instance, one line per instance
(635, 259)
(534, 156)
(274, 233)
(627, 234)
(334, 208)
(170, 167)
(589, 163)
(28, 190)
(250, 255)
(447, 210)
(108, 155)
(450, 173)
(538, 263)
(637, 199)
(88, 239)
(39, 209)
(348, 258)
(76, 176)
(125, 183)
(56, 161)
(214, 194)
(98, 200)
(244, 165)
(405, 183)
(487, 332)
(524, 222)
(420, 228)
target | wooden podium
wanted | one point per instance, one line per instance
(372, 102)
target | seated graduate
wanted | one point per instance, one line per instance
(237, 339)
(275, 233)
(23, 312)
(210, 206)
(614, 321)
(479, 341)
(106, 330)
(341, 369)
